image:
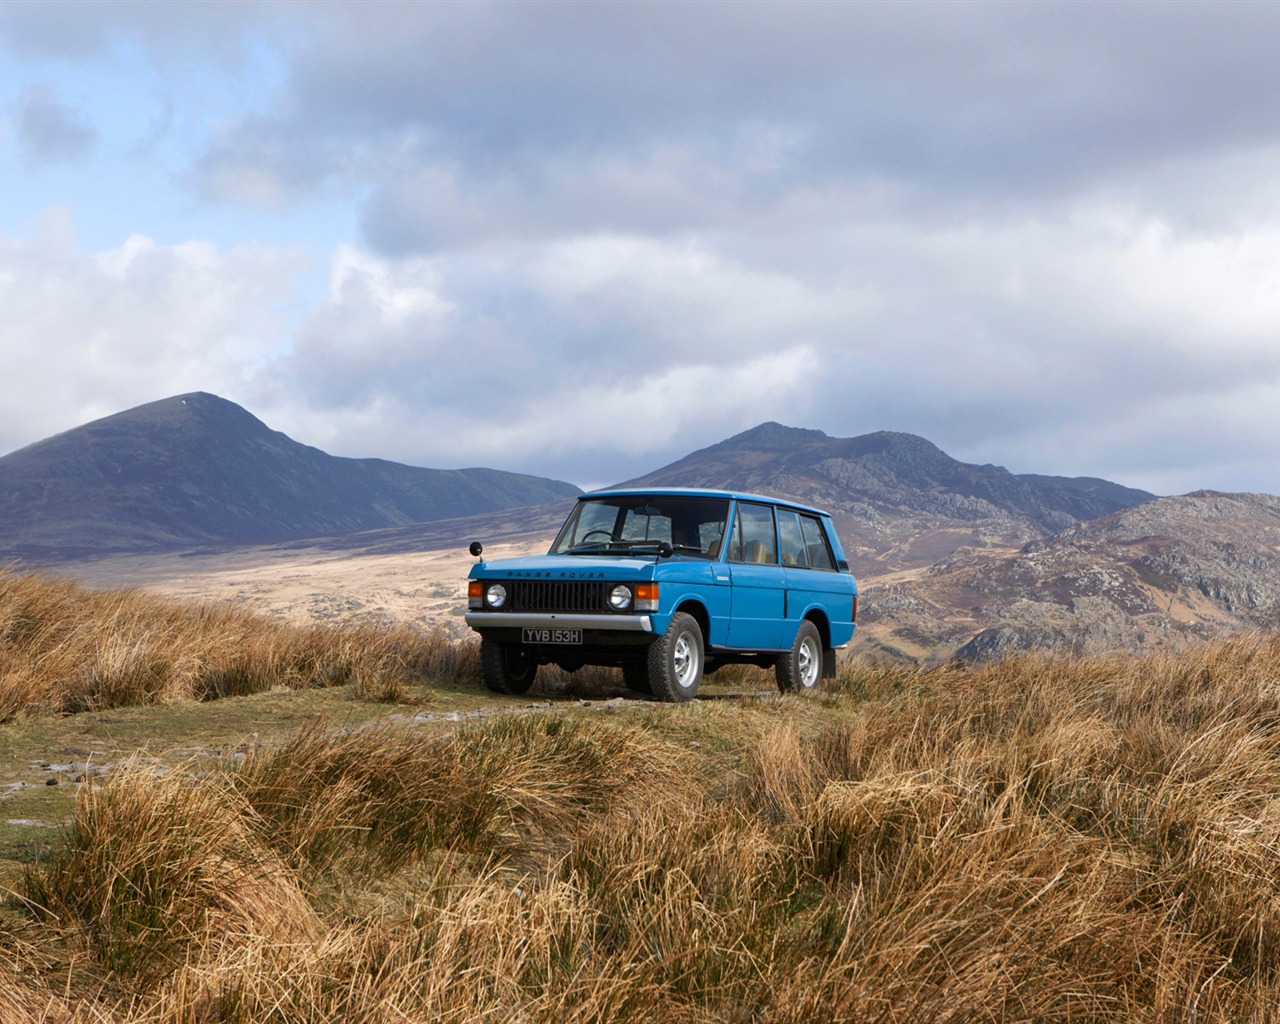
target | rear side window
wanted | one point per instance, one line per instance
(817, 550)
(791, 543)
(753, 535)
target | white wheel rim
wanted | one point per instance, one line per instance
(684, 659)
(807, 664)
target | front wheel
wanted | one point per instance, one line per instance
(506, 668)
(675, 660)
(799, 669)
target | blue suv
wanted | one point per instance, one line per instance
(668, 585)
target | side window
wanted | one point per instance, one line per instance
(753, 536)
(709, 537)
(815, 544)
(697, 527)
(791, 539)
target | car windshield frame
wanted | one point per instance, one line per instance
(620, 524)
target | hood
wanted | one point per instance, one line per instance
(565, 567)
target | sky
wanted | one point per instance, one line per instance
(584, 239)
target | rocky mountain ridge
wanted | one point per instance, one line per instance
(899, 501)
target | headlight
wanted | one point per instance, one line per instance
(496, 595)
(620, 598)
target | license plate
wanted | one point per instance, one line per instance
(537, 635)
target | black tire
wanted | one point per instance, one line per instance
(799, 670)
(636, 675)
(676, 659)
(507, 668)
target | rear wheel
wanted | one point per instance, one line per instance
(800, 668)
(507, 668)
(675, 660)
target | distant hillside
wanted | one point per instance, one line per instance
(1189, 567)
(197, 469)
(899, 501)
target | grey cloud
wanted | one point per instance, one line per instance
(955, 100)
(74, 32)
(263, 162)
(57, 30)
(430, 207)
(51, 131)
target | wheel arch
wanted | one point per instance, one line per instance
(823, 624)
(819, 618)
(694, 607)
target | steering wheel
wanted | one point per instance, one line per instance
(591, 533)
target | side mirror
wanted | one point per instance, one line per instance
(665, 550)
(476, 549)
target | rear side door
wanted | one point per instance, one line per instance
(812, 577)
(757, 605)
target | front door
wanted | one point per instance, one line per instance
(758, 606)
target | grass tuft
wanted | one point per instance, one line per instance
(391, 795)
(158, 866)
(67, 649)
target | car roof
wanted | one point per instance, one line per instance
(699, 492)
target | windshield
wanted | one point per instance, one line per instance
(692, 525)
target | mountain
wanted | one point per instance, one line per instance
(1161, 573)
(898, 500)
(953, 559)
(197, 469)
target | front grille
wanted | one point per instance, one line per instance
(558, 596)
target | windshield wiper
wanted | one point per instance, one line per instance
(613, 545)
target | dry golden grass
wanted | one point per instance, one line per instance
(164, 867)
(515, 788)
(64, 649)
(1043, 839)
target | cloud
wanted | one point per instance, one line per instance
(609, 345)
(992, 337)
(52, 30)
(51, 131)
(444, 105)
(93, 333)
(1023, 231)
(80, 33)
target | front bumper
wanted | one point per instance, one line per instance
(481, 621)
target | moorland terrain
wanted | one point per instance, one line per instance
(299, 803)
(265, 822)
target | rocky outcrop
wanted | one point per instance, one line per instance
(1158, 574)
